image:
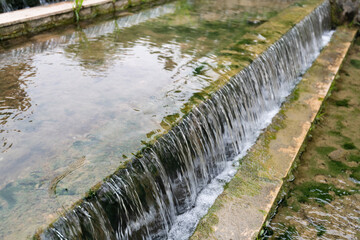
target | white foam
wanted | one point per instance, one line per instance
(185, 223)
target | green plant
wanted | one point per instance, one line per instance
(355, 63)
(342, 103)
(77, 6)
(348, 146)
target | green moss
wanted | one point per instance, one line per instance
(320, 230)
(339, 125)
(240, 185)
(245, 41)
(296, 94)
(138, 154)
(204, 228)
(356, 173)
(297, 4)
(295, 207)
(355, 63)
(334, 133)
(353, 158)
(336, 167)
(342, 103)
(263, 212)
(320, 192)
(324, 150)
(348, 146)
(199, 70)
(289, 233)
(91, 193)
(308, 190)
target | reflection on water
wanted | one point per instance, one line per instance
(76, 104)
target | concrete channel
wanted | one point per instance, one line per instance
(251, 196)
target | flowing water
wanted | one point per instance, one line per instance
(75, 103)
(169, 184)
(323, 200)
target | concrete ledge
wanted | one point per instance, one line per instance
(248, 200)
(37, 19)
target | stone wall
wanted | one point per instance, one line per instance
(345, 12)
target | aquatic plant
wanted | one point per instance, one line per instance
(77, 6)
(342, 103)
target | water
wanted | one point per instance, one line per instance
(74, 104)
(165, 190)
(323, 200)
(12, 5)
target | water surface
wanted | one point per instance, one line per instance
(75, 104)
(323, 201)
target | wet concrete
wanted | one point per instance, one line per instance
(249, 199)
(323, 202)
(37, 19)
(75, 103)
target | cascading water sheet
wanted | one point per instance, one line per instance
(163, 193)
(75, 103)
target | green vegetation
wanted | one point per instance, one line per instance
(92, 192)
(354, 158)
(329, 170)
(295, 95)
(320, 230)
(342, 103)
(199, 70)
(320, 192)
(355, 63)
(356, 173)
(289, 233)
(77, 7)
(348, 146)
(324, 150)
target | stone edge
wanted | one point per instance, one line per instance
(241, 211)
(282, 23)
(38, 19)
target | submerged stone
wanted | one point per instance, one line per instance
(338, 155)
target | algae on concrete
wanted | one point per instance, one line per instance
(274, 157)
(324, 199)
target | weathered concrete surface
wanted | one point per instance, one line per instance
(241, 210)
(37, 19)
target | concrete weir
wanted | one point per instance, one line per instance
(252, 195)
(243, 207)
(250, 198)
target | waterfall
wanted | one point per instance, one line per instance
(145, 199)
(12, 5)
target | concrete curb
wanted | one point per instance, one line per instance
(250, 198)
(37, 19)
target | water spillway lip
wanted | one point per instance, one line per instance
(92, 144)
(171, 174)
